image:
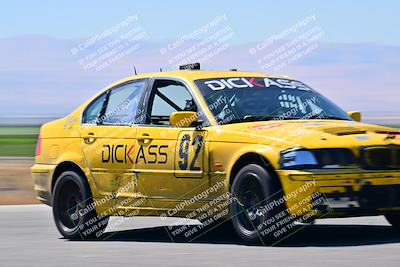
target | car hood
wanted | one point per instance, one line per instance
(307, 133)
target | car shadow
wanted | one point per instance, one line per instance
(302, 236)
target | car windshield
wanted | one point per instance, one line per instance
(241, 99)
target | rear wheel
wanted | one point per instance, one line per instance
(256, 202)
(73, 210)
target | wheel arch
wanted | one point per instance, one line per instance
(259, 159)
(251, 158)
(66, 166)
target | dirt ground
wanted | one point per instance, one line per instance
(16, 185)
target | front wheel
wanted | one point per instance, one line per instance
(257, 207)
(73, 210)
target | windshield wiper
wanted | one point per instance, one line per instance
(324, 117)
(250, 118)
(336, 118)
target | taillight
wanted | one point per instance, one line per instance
(38, 146)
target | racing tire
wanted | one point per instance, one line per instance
(73, 209)
(252, 192)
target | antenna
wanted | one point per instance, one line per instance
(134, 69)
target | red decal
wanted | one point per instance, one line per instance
(252, 81)
(129, 151)
(265, 126)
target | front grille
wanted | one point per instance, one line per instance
(380, 157)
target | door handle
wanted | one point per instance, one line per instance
(90, 138)
(145, 138)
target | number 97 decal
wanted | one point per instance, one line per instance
(189, 154)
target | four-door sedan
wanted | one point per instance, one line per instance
(261, 152)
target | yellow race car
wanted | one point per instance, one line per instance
(259, 151)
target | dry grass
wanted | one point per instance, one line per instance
(16, 185)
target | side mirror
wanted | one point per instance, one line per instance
(183, 119)
(355, 115)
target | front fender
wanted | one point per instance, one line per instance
(268, 153)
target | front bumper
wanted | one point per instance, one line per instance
(340, 194)
(42, 176)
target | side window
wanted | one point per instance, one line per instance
(169, 97)
(93, 111)
(122, 104)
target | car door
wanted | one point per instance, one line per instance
(168, 167)
(108, 138)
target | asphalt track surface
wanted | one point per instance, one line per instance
(28, 237)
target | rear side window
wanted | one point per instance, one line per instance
(92, 112)
(122, 104)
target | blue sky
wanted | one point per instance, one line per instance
(347, 21)
(356, 61)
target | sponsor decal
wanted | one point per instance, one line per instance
(240, 83)
(116, 153)
(154, 154)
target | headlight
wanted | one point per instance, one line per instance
(329, 158)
